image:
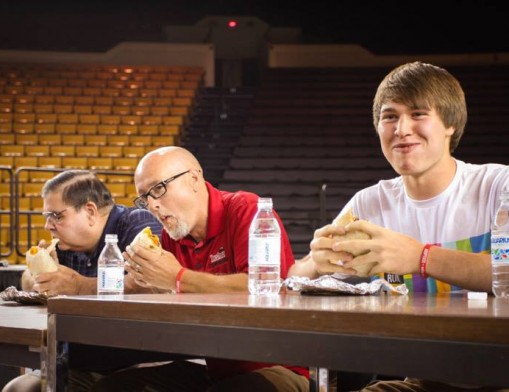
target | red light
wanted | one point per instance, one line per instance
(232, 24)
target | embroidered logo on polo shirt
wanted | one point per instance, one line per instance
(219, 257)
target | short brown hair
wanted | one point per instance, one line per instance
(424, 85)
(78, 187)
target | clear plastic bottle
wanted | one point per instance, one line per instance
(110, 268)
(264, 251)
(500, 248)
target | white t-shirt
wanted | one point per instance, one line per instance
(458, 218)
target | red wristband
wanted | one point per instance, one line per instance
(178, 279)
(424, 259)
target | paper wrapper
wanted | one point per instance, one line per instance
(39, 259)
(334, 285)
(146, 239)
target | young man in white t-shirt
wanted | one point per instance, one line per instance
(432, 223)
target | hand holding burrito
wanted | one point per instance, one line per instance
(39, 260)
(344, 220)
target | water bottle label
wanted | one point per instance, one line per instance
(264, 251)
(111, 279)
(500, 249)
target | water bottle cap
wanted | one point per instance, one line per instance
(265, 201)
(111, 237)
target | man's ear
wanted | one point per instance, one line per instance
(92, 212)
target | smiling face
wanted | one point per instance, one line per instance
(413, 140)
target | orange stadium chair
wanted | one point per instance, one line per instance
(69, 118)
(64, 100)
(163, 101)
(50, 138)
(172, 130)
(44, 128)
(111, 151)
(7, 138)
(84, 100)
(77, 83)
(172, 120)
(161, 141)
(63, 109)
(83, 109)
(23, 108)
(46, 118)
(128, 129)
(73, 90)
(38, 151)
(148, 129)
(23, 128)
(92, 91)
(107, 129)
(107, 101)
(27, 138)
(6, 107)
(121, 110)
(101, 109)
(44, 99)
(96, 140)
(139, 140)
(119, 140)
(168, 92)
(50, 162)
(63, 150)
(86, 129)
(65, 128)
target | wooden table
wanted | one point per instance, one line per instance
(442, 337)
(22, 335)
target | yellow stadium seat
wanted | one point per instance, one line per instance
(160, 110)
(110, 119)
(107, 129)
(73, 139)
(52, 90)
(152, 120)
(143, 101)
(168, 92)
(83, 109)
(6, 118)
(96, 140)
(172, 120)
(65, 128)
(89, 119)
(28, 139)
(6, 98)
(102, 163)
(23, 108)
(44, 128)
(161, 141)
(163, 101)
(141, 110)
(107, 101)
(140, 140)
(75, 162)
(44, 99)
(40, 176)
(118, 140)
(37, 151)
(93, 91)
(26, 161)
(123, 101)
(131, 120)
(46, 118)
(6, 107)
(149, 129)
(173, 130)
(12, 150)
(50, 138)
(125, 164)
(83, 100)
(188, 93)
(77, 83)
(117, 189)
(86, 129)
(87, 151)
(110, 92)
(6, 128)
(97, 83)
(43, 108)
(121, 110)
(63, 150)
(171, 85)
(73, 90)
(101, 109)
(68, 118)
(37, 202)
(182, 101)
(127, 129)
(24, 118)
(23, 128)
(111, 151)
(64, 100)
(63, 109)
(50, 162)
(7, 138)
(133, 151)
(148, 92)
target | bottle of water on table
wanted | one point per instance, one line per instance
(264, 251)
(110, 268)
(500, 248)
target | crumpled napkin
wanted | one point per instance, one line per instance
(335, 285)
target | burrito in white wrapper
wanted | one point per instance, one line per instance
(146, 239)
(39, 259)
(343, 220)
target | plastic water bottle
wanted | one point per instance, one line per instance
(110, 268)
(500, 248)
(264, 251)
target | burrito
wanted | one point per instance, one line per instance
(146, 239)
(39, 260)
(343, 220)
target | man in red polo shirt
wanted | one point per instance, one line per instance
(205, 242)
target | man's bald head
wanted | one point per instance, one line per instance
(176, 158)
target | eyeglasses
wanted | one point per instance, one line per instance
(54, 216)
(157, 191)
